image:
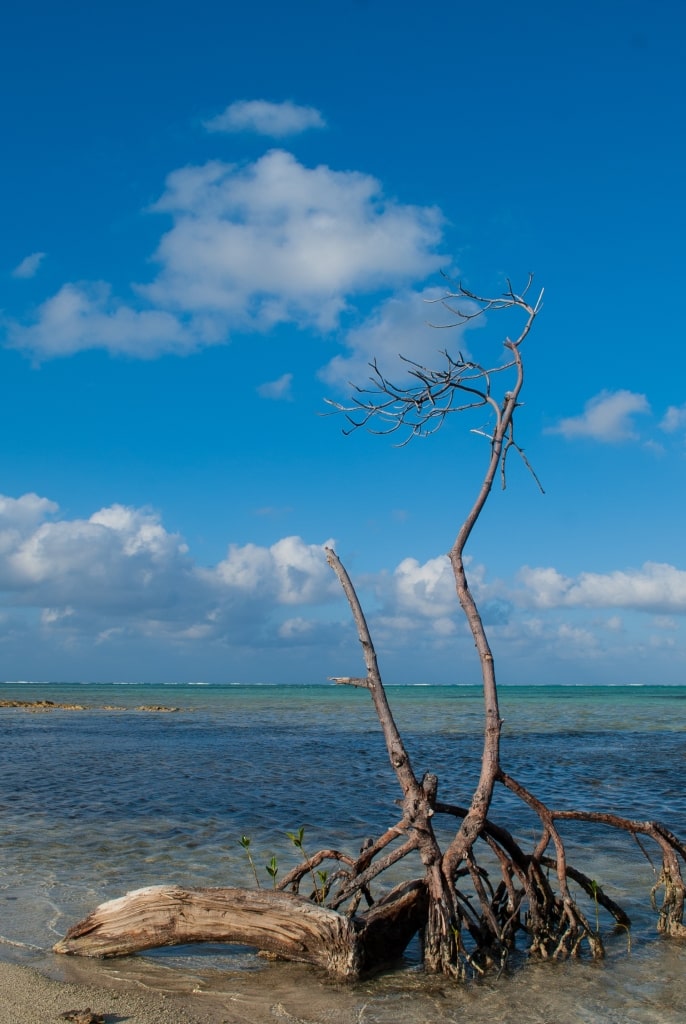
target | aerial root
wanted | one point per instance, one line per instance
(670, 912)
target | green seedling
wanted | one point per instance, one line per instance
(272, 869)
(594, 891)
(322, 876)
(245, 843)
(620, 924)
(298, 838)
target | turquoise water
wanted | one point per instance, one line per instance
(97, 802)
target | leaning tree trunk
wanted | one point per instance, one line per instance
(440, 937)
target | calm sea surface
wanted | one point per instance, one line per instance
(96, 802)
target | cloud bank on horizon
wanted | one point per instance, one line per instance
(120, 576)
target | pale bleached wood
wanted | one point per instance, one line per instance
(277, 922)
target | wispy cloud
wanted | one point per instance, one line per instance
(275, 511)
(674, 419)
(401, 326)
(279, 389)
(276, 120)
(607, 417)
(29, 266)
(87, 316)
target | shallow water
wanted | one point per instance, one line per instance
(95, 803)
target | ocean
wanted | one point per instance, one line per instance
(97, 802)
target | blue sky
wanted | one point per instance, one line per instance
(214, 216)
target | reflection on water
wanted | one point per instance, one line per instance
(95, 803)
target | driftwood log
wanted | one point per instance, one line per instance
(283, 924)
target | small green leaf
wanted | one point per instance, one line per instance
(272, 868)
(297, 837)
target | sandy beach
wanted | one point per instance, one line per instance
(28, 997)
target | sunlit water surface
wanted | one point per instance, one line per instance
(97, 802)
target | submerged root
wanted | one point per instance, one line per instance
(670, 913)
(442, 948)
(561, 933)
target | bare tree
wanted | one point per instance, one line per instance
(482, 895)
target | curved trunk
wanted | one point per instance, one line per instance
(490, 760)
(280, 923)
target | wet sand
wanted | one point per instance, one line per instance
(290, 994)
(282, 993)
(28, 997)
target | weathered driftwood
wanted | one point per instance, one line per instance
(276, 922)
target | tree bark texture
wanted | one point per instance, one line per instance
(280, 923)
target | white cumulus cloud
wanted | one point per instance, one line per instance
(249, 247)
(277, 241)
(19, 518)
(118, 555)
(421, 595)
(290, 571)
(607, 417)
(656, 587)
(427, 589)
(120, 573)
(88, 590)
(274, 119)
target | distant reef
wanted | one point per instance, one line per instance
(53, 705)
